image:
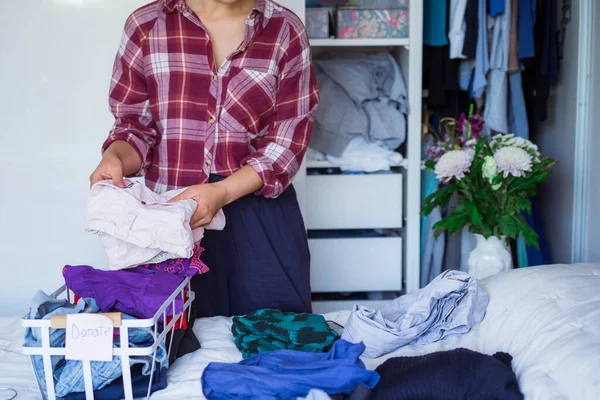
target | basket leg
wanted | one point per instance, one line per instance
(151, 376)
(124, 334)
(87, 379)
(48, 363)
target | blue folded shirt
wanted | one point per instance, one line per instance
(288, 374)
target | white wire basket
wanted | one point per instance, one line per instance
(158, 324)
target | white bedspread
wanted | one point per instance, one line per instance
(547, 318)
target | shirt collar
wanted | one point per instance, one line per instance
(264, 7)
(170, 5)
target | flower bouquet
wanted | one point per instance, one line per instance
(494, 177)
(456, 135)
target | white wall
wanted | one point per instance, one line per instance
(557, 140)
(56, 60)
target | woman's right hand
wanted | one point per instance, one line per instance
(111, 167)
(120, 159)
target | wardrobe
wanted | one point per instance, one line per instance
(335, 206)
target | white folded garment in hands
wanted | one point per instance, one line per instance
(136, 225)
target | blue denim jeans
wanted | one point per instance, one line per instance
(68, 374)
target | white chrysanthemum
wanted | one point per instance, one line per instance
(512, 161)
(454, 164)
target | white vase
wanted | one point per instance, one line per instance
(491, 256)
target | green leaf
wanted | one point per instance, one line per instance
(460, 209)
(474, 214)
(531, 238)
(452, 223)
(520, 184)
(524, 205)
(481, 144)
(509, 226)
(540, 176)
(430, 164)
(439, 198)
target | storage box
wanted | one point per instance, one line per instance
(355, 23)
(320, 22)
(336, 263)
(339, 201)
(368, 4)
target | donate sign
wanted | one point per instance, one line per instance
(89, 337)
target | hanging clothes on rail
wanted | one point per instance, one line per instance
(434, 23)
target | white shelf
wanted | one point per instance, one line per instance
(327, 164)
(327, 306)
(360, 42)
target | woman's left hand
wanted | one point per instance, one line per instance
(211, 197)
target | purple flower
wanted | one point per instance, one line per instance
(461, 124)
(476, 125)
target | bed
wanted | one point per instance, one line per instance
(547, 318)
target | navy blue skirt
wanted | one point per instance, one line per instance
(260, 260)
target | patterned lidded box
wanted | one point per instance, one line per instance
(369, 4)
(355, 23)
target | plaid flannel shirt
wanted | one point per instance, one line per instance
(187, 120)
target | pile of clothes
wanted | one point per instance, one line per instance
(291, 356)
(106, 375)
(151, 251)
(362, 116)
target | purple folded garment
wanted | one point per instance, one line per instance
(179, 266)
(134, 293)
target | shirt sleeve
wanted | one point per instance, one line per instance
(128, 98)
(280, 151)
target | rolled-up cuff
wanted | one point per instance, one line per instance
(271, 185)
(141, 147)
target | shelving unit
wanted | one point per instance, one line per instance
(327, 164)
(391, 42)
(369, 201)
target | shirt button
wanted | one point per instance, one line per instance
(208, 162)
(212, 120)
(243, 49)
(214, 77)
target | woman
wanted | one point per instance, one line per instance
(218, 96)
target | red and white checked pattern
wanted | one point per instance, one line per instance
(188, 120)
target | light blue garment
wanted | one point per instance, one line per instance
(429, 184)
(288, 374)
(465, 74)
(315, 394)
(482, 60)
(361, 95)
(501, 39)
(522, 260)
(517, 111)
(526, 24)
(433, 248)
(496, 99)
(451, 304)
(435, 19)
(495, 114)
(68, 374)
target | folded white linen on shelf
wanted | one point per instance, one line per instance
(362, 155)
